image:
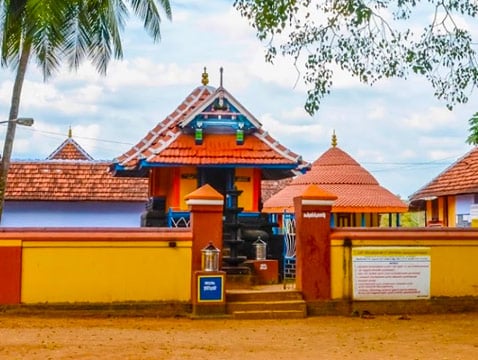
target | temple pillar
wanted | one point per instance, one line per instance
(312, 214)
(207, 284)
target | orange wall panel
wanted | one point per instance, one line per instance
(188, 183)
(244, 180)
(162, 184)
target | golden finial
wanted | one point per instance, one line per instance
(334, 140)
(70, 133)
(205, 77)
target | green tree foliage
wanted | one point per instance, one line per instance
(72, 30)
(407, 220)
(371, 40)
(52, 31)
(473, 130)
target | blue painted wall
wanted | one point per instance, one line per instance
(75, 213)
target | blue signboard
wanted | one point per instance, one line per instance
(210, 288)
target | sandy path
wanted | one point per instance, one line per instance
(453, 336)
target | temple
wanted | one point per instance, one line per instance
(210, 138)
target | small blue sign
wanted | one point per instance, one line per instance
(210, 288)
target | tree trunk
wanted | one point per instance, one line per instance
(14, 107)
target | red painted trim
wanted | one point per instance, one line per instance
(176, 201)
(404, 233)
(10, 274)
(153, 175)
(256, 189)
(96, 234)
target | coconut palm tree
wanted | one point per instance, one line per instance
(72, 30)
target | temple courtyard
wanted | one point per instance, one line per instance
(359, 336)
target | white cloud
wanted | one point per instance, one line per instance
(143, 72)
(86, 135)
(6, 92)
(432, 119)
(409, 154)
(47, 96)
(377, 112)
(297, 113)
(303, 139)
(442, 155)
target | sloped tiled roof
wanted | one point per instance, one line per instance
(69, 150)
(217, 149)
(339, 174)
(164, 133)
(71, 174)
(459, 178)
(71, 180)
(271, 187)
(168, 143)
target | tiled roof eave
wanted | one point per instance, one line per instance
(431, 193)
(342, 209)
(369, 209)
(286, 153)
(452, 178)
(30, 198)
(145, 164)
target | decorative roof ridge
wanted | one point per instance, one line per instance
(164, 144)
(167, 122)
(221, 91)
(287, 153)
(155, 132)
(77, 146)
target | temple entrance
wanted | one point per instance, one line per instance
(221, 179)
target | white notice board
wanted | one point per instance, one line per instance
(391, 273)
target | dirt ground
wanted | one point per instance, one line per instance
(451, 336)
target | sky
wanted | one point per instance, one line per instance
(395, 129)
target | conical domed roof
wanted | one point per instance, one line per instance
(338, 173)
(335, 166)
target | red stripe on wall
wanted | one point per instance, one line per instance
(176, 200)
(10, 274)
(256, 190)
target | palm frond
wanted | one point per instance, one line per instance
(147, 10)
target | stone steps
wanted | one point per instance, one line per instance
(268, 314)
(250, 304)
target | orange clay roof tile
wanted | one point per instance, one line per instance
(217, 149)
(337, 173)
(459, 178)
(70, 174)
(167, 144)
(69, 150)
(158, 136)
